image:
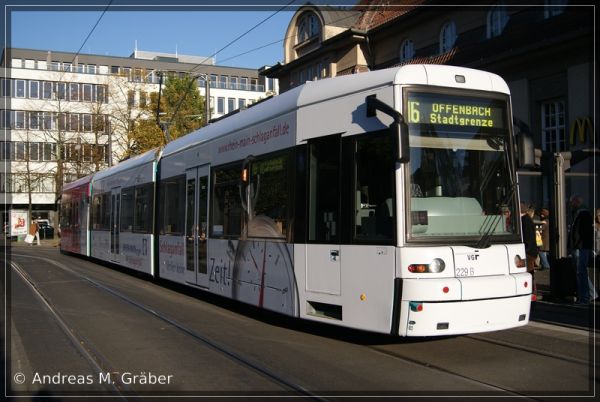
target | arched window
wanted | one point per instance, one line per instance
(407, 50)
(308, 27)
(447, 36)
(496, 21)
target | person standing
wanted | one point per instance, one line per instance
(531, 249)
(34, 230)
(545, 232)
(581, 240)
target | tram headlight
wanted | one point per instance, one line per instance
(437, 265)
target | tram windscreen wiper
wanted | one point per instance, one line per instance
(490, 223)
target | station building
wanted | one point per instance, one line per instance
(544, 51)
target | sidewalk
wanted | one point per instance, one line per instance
(54, 243)
(562, 312)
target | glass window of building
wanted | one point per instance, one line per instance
(47, 90)
(241, 103)
(230, 105)
(496, 21)
(73, 91)
(244, 83)
(407, 50)
(223, 82)
(61, 90)
(73, 122)
(101, 94)
(447, 37)
(19, 88)
(20, 150)
(87, 92)
(308, 27)
(6, 87)
(553, 126)
(34, 151)
(34, 120)
(87, 122)
(19, 119)
(220, 105)
(270, 82)
(234, 82)
(47, 120)
(34, 89)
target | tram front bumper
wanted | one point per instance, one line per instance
(472, 305)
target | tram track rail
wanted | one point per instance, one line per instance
(495, 390)
(492, 389)
(527, 349)
(101, 364)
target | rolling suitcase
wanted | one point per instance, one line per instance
(563, 279)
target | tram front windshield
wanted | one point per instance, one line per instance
(461, 182)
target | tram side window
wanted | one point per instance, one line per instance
(65, 215)
(226, 204)
(324, 190)
(270, 180)
(101, 211)
(142, 215)
(127, 209)
(373, 189)
(172, 205)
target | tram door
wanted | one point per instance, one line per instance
(323, 253)
(196, 226)
(115, 215)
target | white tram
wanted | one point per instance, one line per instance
(384, 201)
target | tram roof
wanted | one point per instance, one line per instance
(138, 160)
(330, 88)
(78, 182)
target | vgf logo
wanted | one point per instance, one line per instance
(472, 257)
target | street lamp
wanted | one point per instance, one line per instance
(206, 95)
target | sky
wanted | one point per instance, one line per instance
(196, 30)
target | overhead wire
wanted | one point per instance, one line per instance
(201, 64)
(184, 95)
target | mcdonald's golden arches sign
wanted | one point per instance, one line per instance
(579, 129)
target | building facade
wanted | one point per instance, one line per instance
(545, 52)
(65, 115)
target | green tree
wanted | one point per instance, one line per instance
(181, 106)
(145, 135)
(181, 112)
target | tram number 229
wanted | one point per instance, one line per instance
(464, 272)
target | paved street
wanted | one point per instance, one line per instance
(80, 328)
